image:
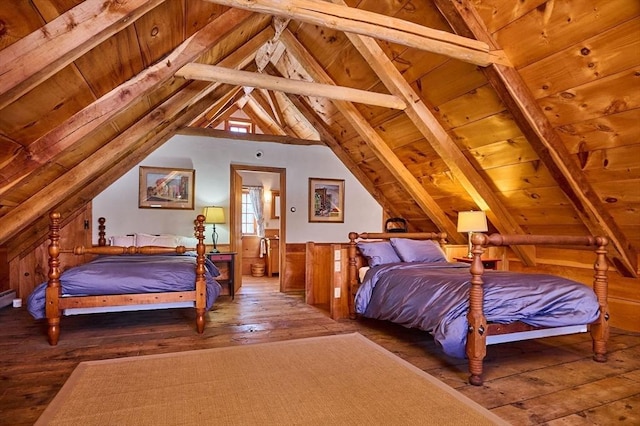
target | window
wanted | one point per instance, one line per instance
(238, 126)
(248, 218)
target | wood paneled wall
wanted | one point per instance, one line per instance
(29, 269)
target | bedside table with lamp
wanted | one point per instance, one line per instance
(215, 216)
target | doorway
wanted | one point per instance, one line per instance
(235, 210)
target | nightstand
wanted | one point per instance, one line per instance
(487, 263)
(228, 259)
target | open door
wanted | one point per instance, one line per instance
(235, 211)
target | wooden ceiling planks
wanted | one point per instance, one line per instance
(600, 143)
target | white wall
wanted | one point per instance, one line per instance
(211, 159)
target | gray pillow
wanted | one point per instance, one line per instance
(378, 252)
(418, 250)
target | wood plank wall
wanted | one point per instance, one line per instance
(29, 269)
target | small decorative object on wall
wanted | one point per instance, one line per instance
(166, 188)
(326, 200)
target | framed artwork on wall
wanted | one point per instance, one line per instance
(166, 188)
(326, 200)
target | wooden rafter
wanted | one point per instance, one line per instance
(196, 71)
(441, 142)
(534, 124)
(358, 21)
(195, 97)
(382, 151)
(36, 57)
(83, 123)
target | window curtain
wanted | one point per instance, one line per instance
(256, 195)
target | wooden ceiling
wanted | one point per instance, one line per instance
(527, 110)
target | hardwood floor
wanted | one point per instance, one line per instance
(549, 381)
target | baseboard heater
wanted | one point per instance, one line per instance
(6, 298)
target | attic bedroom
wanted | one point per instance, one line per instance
(526, 111)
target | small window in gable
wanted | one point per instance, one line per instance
(239, 126)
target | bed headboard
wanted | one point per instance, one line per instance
(357, 260)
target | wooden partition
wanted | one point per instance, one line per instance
(326, 284)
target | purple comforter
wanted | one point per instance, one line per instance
(129, 274)
(434, 297)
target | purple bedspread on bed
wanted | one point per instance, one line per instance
(434, 297)
(129, 274)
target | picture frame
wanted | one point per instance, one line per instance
(166, 188)
(326, 200)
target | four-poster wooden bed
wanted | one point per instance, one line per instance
(160, 284)
(412, 293)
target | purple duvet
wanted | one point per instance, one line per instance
(434, 297)
(129, 274)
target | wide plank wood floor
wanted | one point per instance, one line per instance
(550, 381)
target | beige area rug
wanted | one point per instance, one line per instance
(333, 380)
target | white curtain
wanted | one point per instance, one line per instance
(256, 195)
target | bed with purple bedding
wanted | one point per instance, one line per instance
(111, 275)
(434, 297)
(409, 281)
(156, 272)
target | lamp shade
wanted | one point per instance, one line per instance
(213, 214)
(472, 221)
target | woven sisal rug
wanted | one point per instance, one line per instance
(333, 380)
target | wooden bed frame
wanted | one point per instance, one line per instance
(56, 304)
(479, 330)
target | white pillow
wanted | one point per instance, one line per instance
(122, 240)
(190, 242)
(156, 240)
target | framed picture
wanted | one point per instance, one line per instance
(326, 200)
(166, 188)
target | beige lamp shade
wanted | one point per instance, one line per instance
(213, 214)
(472, 221)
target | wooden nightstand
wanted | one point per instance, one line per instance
(487, 263)
(228, 259)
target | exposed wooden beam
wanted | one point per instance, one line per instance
(358, 21)
(382, 151)
(83, 123)
(267, 120)
(535, 125)
(254, 137)
(197, 71)
(441, 142)
(36, 57)
(113, 157)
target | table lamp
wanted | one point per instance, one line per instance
(472, 221)
(214, 215)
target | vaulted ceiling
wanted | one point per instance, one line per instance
(527, 110)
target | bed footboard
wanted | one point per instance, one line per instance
(477, 331)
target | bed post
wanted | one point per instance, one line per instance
(352, 274)
(476, 348)
(201, 284)
(600, 329)
(53, 286)
(102, 240)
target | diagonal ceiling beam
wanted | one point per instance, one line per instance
(195, 98)
(441, 142)
(380, 148)
(108, 106)
(358, 21)
(36, 57)
(535, 125)
(196, 71)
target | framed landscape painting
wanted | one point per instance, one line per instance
(166, 188)
(326, 200)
